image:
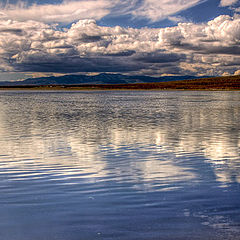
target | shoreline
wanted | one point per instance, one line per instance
(229, 83)
(112, 89)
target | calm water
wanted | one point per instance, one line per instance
(119, 165)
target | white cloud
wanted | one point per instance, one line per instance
(65, 12)
(226, 3)
(73, 10)
(220, 35)
(160, 9)
(188, 48)
(237, 72)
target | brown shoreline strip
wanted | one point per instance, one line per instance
(215, 83)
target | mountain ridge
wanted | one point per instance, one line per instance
(102, 78)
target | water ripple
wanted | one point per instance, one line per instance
(119, 165)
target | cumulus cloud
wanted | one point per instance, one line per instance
(237, 72)
(221, 35)
(226, 3)
(212, 48)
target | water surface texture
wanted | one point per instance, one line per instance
(119, 165)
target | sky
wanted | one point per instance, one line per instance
(134, 37)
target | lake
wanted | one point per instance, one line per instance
(141, 165)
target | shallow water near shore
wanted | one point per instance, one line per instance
(119, 165)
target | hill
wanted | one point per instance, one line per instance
(102, 78)
(214, 83)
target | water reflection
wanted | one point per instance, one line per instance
(130, 165)
(141, 136)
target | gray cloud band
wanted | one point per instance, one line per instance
(211, 48)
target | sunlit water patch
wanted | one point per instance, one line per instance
(119, 165)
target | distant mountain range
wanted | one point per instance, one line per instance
(102, 78)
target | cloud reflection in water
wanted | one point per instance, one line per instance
(98, 134)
